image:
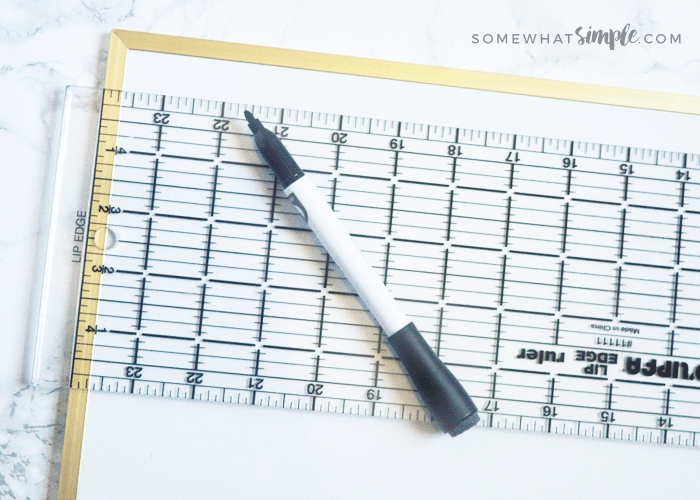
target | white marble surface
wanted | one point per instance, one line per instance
(45, 46)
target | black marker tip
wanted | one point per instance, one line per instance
(253, 123)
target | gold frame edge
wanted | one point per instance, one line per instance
(409, 72)
(78, 396)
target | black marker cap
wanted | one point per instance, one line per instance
(440, 390)
(274, 152)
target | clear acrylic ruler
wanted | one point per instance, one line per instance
(559, 280)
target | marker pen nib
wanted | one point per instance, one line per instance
(253, 123)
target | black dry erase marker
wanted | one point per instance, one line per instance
(440, 390)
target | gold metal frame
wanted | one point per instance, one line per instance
(87, 313)
(122, 41)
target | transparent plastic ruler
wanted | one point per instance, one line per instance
(559, 280)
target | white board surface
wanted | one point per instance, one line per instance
(139, 447)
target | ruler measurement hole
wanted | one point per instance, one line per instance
(106, 238)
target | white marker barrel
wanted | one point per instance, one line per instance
(441, 391)
(337, 242)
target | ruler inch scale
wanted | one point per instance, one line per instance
(557, 279)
